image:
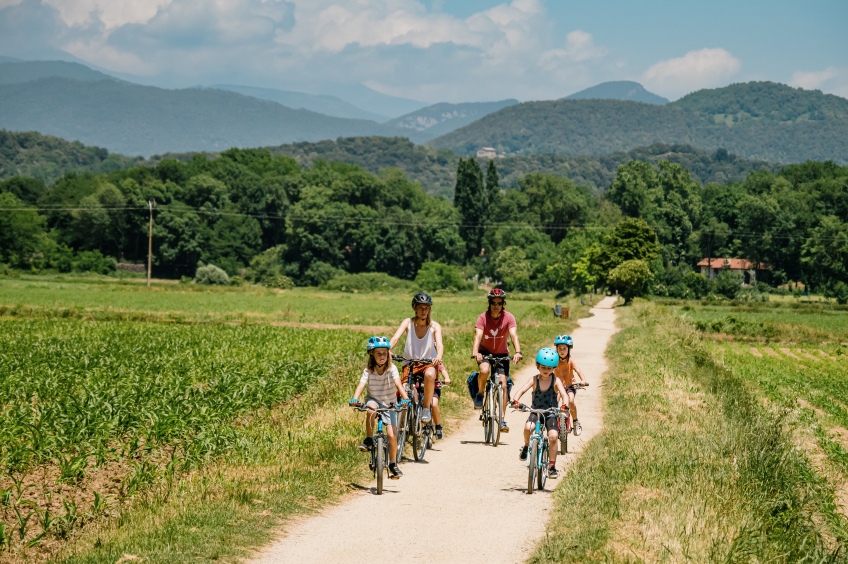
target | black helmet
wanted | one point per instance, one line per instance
(422, 298)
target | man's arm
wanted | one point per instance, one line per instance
(475, 348)
(513, 334)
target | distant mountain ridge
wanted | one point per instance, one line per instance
(438, 119)
(26, 71)
(756, 120)
(144, 120)
(618, 90)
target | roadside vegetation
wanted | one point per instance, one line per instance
(706, 453)
(185, 425)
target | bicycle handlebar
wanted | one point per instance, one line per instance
(359, 406)
(548, 411)
(415, 360)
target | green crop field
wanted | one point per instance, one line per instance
(127, 413)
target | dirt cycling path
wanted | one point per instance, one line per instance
(467, 503)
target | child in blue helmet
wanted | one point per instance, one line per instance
(547, 393)
(382, 381)
(565, 372)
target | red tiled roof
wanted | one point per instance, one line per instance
(732, 263)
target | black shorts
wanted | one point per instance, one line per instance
(572, 388)
(551, 423)
(504, 365)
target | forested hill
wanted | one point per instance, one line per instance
(439, 119)
(619, 90)
(133, 119)
(26, 71)
(757, 120)
(48, 158)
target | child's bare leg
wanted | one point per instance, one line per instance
(553, 437)
(528, 428)
(392, 432)
(434, 408)
(571, 405)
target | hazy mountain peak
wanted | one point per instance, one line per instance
(619, 90)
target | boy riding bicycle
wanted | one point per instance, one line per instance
(565, 373)
(382, 381)
(546, 388)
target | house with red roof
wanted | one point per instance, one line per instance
(711, 266)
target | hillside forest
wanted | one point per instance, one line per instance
(266, 219)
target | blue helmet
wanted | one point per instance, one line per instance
(564, 340)
(547, 357)
(377, 343)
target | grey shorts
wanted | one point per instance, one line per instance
(389, 417)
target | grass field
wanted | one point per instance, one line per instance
(702, 457)
(177, 424)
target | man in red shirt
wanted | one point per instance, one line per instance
(490, 338)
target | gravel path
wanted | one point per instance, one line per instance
(468, 502)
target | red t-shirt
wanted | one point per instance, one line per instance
(495, 331)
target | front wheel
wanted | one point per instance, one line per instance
(486, 416)
(403, 424)
(532, 464)
(543, 467)
(417, 434)
(497, 415)
(379, 467)
(423, 442)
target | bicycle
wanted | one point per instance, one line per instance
(537, 453)
(492, 413)
(565, 423)
(410, 419)
(380, 450)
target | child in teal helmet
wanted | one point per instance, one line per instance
(382, 381)
(547, 393)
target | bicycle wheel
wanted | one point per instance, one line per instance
(380, 447)
(403, 423)
(563, 434)
(486, 416)
(417, 434)
(422, 444)
(532, 464)
(497, 415)
(543, 467)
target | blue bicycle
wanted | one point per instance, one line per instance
(538, 454)
(380, 450)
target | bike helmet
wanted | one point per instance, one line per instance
(547, 357)
(564, 340)
(377, 343)
(496, 293)
(422, 298)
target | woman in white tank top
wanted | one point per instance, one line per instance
(423, 340)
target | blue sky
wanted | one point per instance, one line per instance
(442, 50)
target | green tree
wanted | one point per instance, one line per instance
(22, 232)
(512, 268)
(825, 253)
(471, 202)
(630, 278)
(632, 239)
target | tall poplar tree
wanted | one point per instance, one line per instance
(471, 202)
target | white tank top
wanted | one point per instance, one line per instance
(424, 347)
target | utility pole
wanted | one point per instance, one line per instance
(151, 203)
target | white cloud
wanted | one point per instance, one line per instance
(112, 13)
(579, 47)
(831, 80)
(704, 68)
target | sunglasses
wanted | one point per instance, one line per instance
(497, 303)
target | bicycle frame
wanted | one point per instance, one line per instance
(538, 451)
(419, 433)
(380, 450)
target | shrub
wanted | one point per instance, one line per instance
(319, 273)
(728, 283)
(279, 281)
(440, 276)
(367, 282)
(94, 261)
(839, 291)
(211, 274)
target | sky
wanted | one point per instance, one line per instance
(442, 50)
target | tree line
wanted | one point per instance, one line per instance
(265, 218)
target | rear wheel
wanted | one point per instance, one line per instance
(403, 424)
(423, 443)
(380, 447)
(532, 464)
(564, 428)
(543, 468)
(497, 415)
(487, 416)
(417, 434)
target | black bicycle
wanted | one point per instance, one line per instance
(410, 425)
(380, 450)
(492, 412)
(565, 422)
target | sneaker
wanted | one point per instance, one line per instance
(439, 433)
(394, 471)
(523, 454)
(478, 401)
(425, 415)
(577, 428)
(367, 444)
(504, 427)
(552, 472)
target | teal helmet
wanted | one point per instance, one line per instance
(376, 342)
(564, 340)
(547, 357)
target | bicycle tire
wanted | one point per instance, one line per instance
(486, 416)
(563, 436)
(403, 424)
(543, 468)
(532, 464)
(422, 444)
(497, 415)
(380, 446)
(416, 432)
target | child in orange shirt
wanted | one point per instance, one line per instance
(565, 371)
